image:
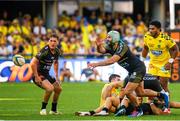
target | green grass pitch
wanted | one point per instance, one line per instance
(22, 101)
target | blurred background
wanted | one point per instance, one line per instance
(25, 27)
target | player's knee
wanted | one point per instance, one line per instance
(140, 93)
(58, 89)
(50, 89)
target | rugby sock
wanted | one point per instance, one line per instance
(105, 109)
(92, 112)
(160, 95)
(54, 105)
(44, 105)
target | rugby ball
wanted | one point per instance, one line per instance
(18, 60)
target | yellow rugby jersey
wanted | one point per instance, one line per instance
(158, 47)
(114, 92)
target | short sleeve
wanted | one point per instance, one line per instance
(121, 50)
(170, 42)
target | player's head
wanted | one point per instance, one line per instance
(53, 41)
(154, 28)
(113, 37)
(114, 77)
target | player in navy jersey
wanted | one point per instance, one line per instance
(41, 65)
(124, 57)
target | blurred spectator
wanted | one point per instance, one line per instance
(39, 30)
(18, 48)
(100, 29)
(117, 26)
(3, 28)
(138, 45)
(108, 22)
(86, 28)
(139, 19)
(81, 50)
(141, 28)
(90, 75)
(15, 29)
(65, 73)
(93, 18)
(3, 51)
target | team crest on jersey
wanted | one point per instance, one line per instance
(156, 52)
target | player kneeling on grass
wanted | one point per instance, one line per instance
(41, 65)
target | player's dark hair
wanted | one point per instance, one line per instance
(112, 76)
(155, 23)
(54, 36)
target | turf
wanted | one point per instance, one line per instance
(22, 101)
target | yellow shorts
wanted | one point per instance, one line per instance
(158, 71)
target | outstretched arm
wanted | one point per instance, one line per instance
(109, 61)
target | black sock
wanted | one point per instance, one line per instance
(92, 112)
(54, 107)
(105, 109)
(123, 106)
(44, 105)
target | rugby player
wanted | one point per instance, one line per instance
(41, 65)
(162, 51)
(106, 96)
(124, 57)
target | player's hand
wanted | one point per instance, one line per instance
(167, 66)
(38, 80)
(92, 65)
(99, 42)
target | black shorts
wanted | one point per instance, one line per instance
(45, 77)
(135, 78)
(146, 108)
(152, 82)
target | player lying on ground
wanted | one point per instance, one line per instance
(112, 102)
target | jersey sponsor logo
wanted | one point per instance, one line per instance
(124, 64)
(156, 52)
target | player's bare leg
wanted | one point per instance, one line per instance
(164, 83)
(48, 91)
(57, 91)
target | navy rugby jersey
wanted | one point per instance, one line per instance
(46, 59)
(128, 60)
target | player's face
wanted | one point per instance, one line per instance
(108, 39)
(154, 31)
(116, 79)
(53, 42)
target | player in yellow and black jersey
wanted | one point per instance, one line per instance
(162, 51)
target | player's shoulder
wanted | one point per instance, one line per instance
(147, 35)
(58, 51)
(164, 36)
(45, 48)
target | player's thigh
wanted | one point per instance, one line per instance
(140, 89)
(130, 87)
(47, 85)
(115, 101)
